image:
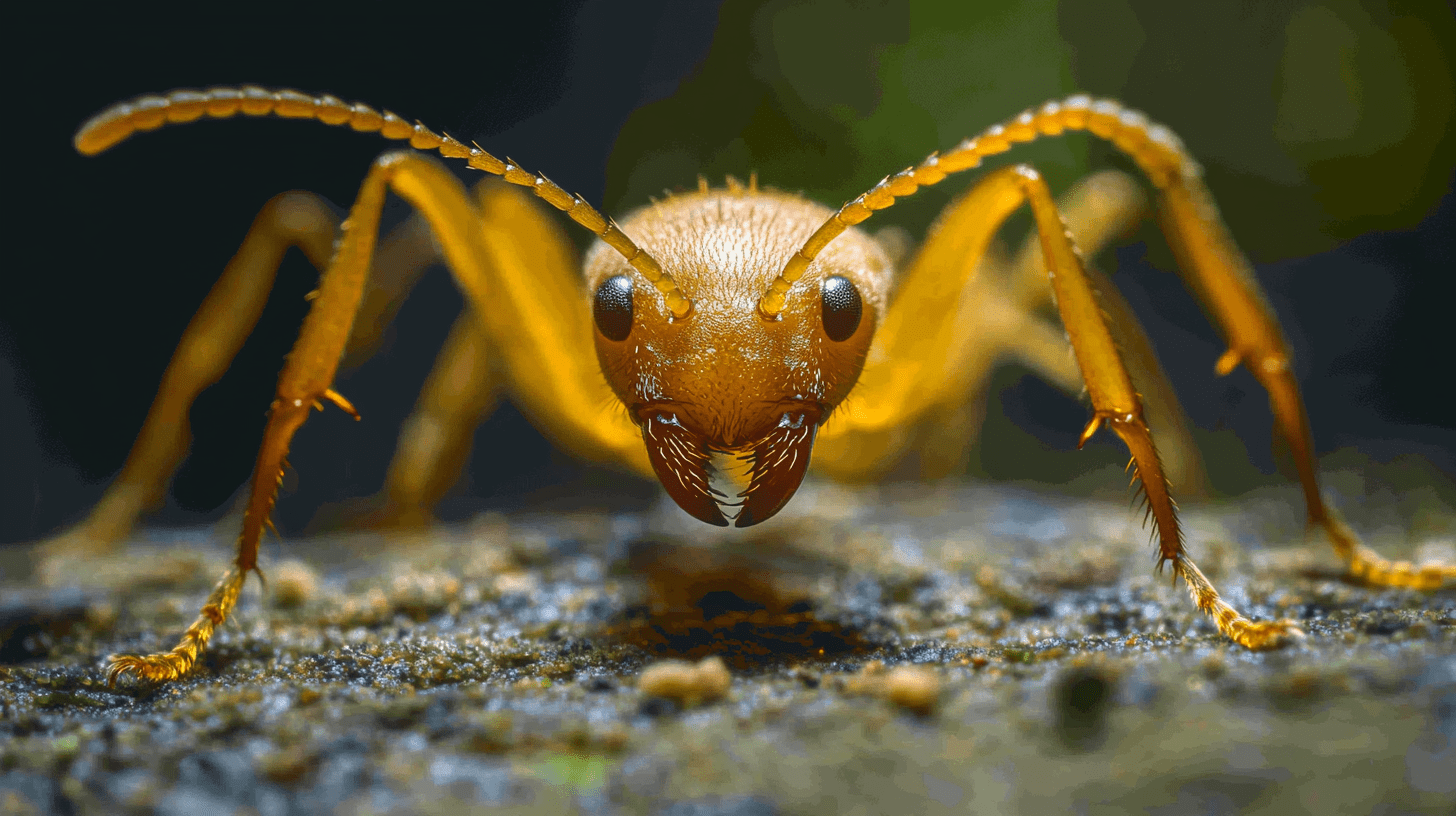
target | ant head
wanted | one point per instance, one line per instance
(728, 399)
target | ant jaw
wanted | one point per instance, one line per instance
(738, 486)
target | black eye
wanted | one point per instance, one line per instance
(842, 308)
(612, 308)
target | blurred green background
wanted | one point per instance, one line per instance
(1316, 122)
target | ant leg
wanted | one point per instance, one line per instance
(991, 317)
(401, 258)
(435, 442)
(1116, 403)
(1211, 265)
(436, 439)
(209, 344)
(1103, 207)
(952, 321)
(547, 364)
(1114, 399)
(213, 338)
(990, 330)
(932, 340)
(1098, 210)
(1214, 269)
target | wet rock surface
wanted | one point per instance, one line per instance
(895, 650)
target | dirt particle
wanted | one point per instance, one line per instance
(1016, 598)
(1384, 625)
(288, 765)
(868, 681)
(1301, 684)
(614, 738)
(913, 688)
(294, 584)
(687, 684)
(1214, 666)
(491, 733)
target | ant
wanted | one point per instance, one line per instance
(720, 333)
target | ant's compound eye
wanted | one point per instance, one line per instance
(612, 308)
(842, 308)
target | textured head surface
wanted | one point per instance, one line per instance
(726, 381)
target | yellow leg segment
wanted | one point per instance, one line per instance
(209, 344)
(470, 372)
(1211, 264)
(399, 261)
(436, 440)
(1216, 271)
(943, 329)
(513, 298)
(962, 308)
(1115, 402)
(216, 334)
(1100, 209)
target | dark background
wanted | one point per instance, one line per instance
(109, 256)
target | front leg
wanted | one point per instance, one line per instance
(1116, 403)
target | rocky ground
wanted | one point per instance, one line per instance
(898, 650)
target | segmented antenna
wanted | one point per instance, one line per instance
(1156, 149)
(121, 120)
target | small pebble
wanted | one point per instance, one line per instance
(687, 684)
(913, 688)
(1215, 665)
(294, 583)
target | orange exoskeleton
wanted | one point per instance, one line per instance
(718, 334)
